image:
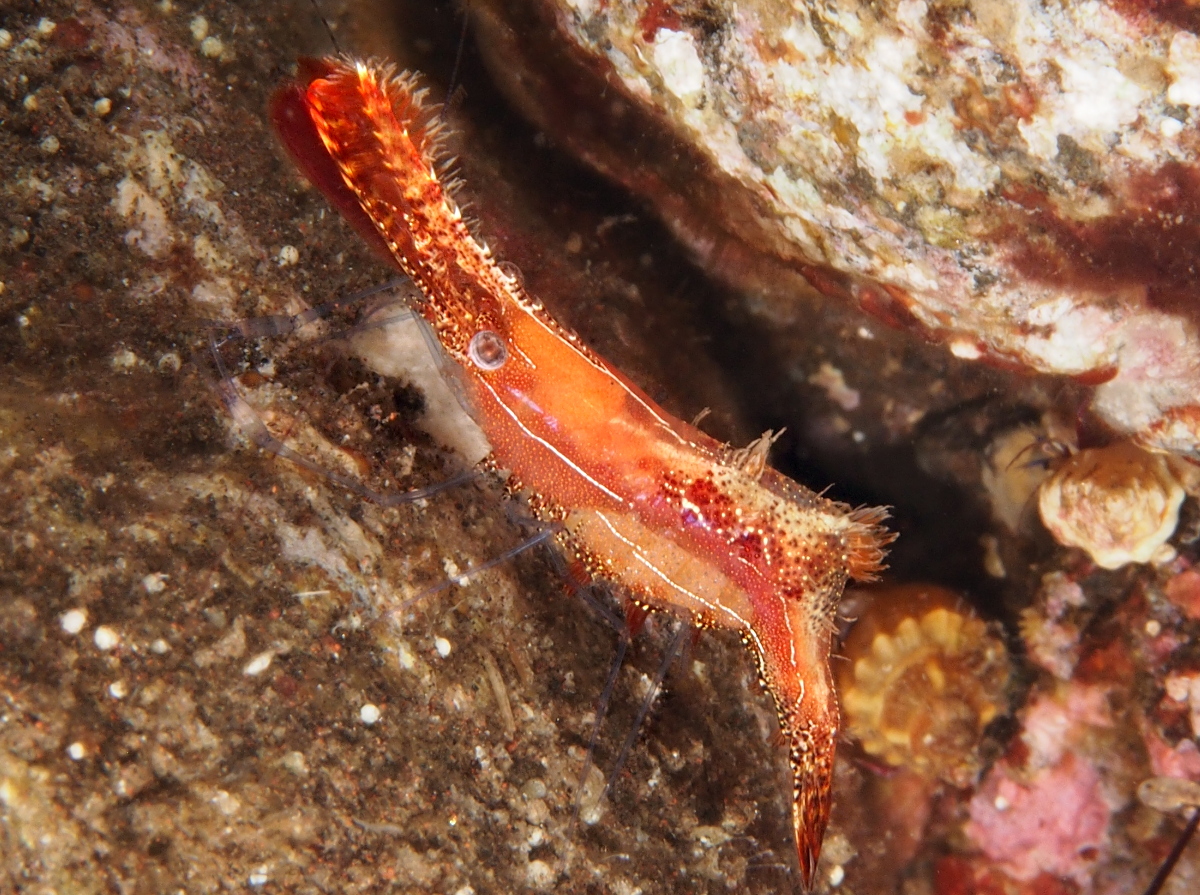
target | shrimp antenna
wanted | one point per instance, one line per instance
(272, 325)
(251, 424)
(463, 577)
(256, 430)
(454, 70)
(635, 729)
(1168, 864)
(601, 712)
(328, 28)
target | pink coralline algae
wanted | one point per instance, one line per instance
(1182, 762)
(1055, 821)
(1019, 179)
(1056, 723)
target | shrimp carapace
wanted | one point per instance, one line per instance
(680, 521)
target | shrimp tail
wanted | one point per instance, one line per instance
(811, 750)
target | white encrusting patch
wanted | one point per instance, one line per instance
(679, 64)
(1183, 68)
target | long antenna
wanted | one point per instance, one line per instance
(1168, 864)
(452, 84)
(328, 28)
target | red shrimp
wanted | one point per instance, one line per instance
(678, 520)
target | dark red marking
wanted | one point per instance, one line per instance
(658, 14)
(1098, 376)
(1152, 242)
(886, 305)
(1180, 13)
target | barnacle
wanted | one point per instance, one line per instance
(925, 678)
(1119, 503)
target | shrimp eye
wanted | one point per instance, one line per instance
(487, 350)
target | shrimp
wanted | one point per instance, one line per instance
(676, 519)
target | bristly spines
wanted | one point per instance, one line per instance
(865, 542)
(422, 120)
(434, 134)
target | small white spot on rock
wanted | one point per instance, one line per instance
(30, 102)
(1153, 627)
(5, 38)
(537, 812)
(259, 664)
(212, 47)
(45, 27)
(76, 751)
(406, 657)
(170, 362)
(226, 803)
(369, 714)
(155, 582)
(1000, 803)
(199, 28)
(837, 873)
(288, 255)
(259, 877)
(442, 645)
(49, 145)
(833, 382)
(1170, 128)
(73, 620)
(106, 637)
(118, 689)
(125, 360)
(102, 106)
(965, 349)
(540, 875)
(1183, 70)
(296, 763)
(534, 788)
(160, 647)
(1178, 687)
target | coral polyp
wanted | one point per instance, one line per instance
(925, 678)
(1119, 503)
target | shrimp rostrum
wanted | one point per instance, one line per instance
(678, 520)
